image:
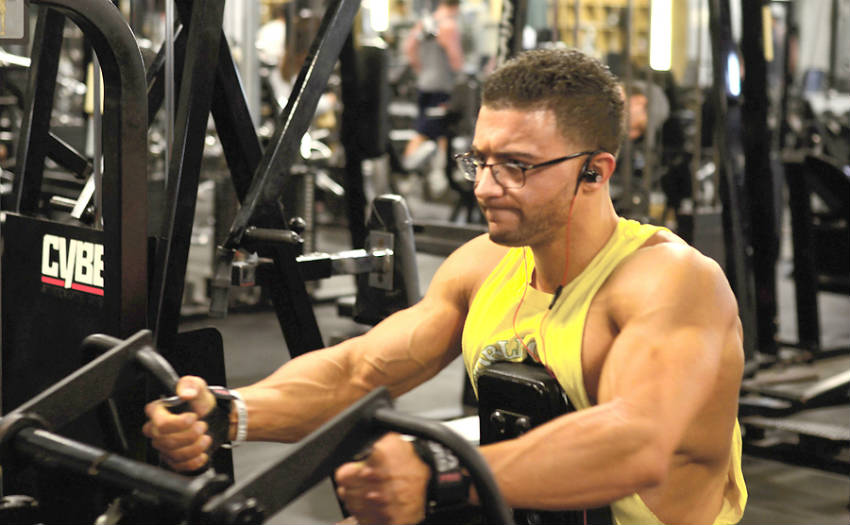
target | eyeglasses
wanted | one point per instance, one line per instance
(509, 174)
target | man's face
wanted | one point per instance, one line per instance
(536, 212)
(638, 116)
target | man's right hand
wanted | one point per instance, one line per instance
(182, 439)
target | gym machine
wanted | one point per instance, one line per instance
(385, 269)
(784, 414)
(146, 493)
(210, 84)
(64, 279)
(55, 291)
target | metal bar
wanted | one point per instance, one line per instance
(627, 152)
(51, 450)
(249, 62)
(293, 305)
(169, 84)
(66, 156)
(97, 126)
(732, 188)
(323, 265)
(355, 195)
(697, 109)
(156, 73)
(233, 123)
(84, 199)
(787, 72)
(520, 17)
(492, 504)
(311, 460)
(196, 88)
(763, 210)
(835, 16)
(125, 158)
(38, 105)
(265, 235)
(805, 274)
(86, 387)
(260, 202)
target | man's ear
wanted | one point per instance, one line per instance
(601, 168)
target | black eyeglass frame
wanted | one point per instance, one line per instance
(462, 160)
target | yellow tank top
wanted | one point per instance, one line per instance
(489, 336)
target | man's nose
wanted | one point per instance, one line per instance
(487, 185)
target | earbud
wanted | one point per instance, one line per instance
(591, 176)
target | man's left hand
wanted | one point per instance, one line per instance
(387, 487)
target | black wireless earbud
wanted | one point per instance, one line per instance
(591, 176)
(587, 173)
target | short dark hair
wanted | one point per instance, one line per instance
(581, 92)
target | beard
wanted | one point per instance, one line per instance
(535, 227)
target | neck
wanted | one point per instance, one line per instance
(587, 237)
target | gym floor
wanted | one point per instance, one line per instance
(254, 347)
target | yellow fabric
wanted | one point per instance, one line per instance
(489, 336)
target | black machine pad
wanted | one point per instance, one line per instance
(514, 398)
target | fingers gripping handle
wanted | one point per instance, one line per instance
(217, 419)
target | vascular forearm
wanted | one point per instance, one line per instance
(583, 460)
(300, 396)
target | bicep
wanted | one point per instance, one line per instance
(665, 362)
(412, 345)
(407, 348)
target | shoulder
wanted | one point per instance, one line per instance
(668, 273)
(465, 269)
(665, 251)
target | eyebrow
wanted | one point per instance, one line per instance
(520, 156)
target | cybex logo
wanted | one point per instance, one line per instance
(71, 263)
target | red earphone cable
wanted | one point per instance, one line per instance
(557, 290)
(516, 311)
(563, 281)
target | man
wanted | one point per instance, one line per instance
(640, 330)
(434, 51)
(643, 116)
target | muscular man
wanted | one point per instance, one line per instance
(640, 330)
(434, 51)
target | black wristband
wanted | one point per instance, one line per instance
(217, 420)
(449, 484)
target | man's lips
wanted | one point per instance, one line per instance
(495, 212)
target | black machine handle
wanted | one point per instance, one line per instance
(492, 503)
(317, 456)
(177, 490)
(25, 433)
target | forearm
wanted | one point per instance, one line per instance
(582, 460)
(299, 396)
(309, 390)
